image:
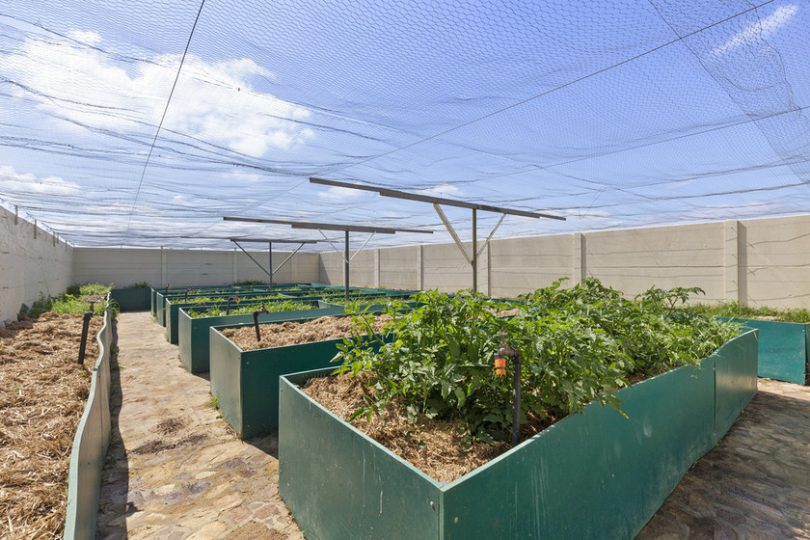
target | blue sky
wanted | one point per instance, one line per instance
(613, 114)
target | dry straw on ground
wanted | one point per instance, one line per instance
(42, 394)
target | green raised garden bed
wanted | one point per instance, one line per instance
(784, 349)
(590, 475)
(199, 296)
(132, 298)
(245, 383)
(193, 333)
(173, 307)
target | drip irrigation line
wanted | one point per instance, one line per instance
(163, 117)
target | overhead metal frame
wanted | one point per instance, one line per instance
(270, 241)
(345, 227)
(437, 203)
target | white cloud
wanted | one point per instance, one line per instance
(85, 36)
(17, 183)
(441, 190)
(341, 194)
(762, 29)
(213, 101)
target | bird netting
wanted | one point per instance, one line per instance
(134, 124)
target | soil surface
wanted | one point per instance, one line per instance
(295, 333)
(435, 447)
(43, 391)
(175, 469)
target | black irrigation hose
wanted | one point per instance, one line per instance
(256, 321)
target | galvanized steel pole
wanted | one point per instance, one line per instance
(270, 260)
(346, 267)
(475, 249)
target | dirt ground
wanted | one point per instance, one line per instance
(294, 333)
(175, 469)
(43, 391)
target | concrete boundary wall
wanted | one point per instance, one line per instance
(759, 262)
(180, 268)
(32, 263)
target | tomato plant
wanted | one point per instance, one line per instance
(579, 344)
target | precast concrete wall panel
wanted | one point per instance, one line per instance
(31, 264)
(519, 265)
(632, 260)
(120, 267)
(777, 261)
(400, 268)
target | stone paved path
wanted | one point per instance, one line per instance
(175, 470)
(756, 483)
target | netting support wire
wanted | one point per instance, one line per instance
(472, 259)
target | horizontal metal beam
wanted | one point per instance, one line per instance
(330, 226)
(255, 240)
(397, 194)
(274, 240)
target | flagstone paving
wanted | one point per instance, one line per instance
(175, 469)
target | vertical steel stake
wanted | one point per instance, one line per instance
(85, 328)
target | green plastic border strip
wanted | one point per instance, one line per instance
(615, 471)
(132, 298)
(783, 349)
(90, 443)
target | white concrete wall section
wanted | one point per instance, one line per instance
(180, 268)
(525, 264)
(400, 268)
(633, 260)
(31, 264)
(776, 261)
(758, 262)
(119, 267)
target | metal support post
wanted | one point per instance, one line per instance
(346, 267)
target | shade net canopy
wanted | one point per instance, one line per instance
(136, 124)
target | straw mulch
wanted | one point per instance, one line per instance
(295, 333)
(436, 447)
(42, 395)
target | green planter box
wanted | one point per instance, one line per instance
(591, 475)
(132, 298)
(245, 383)
(164, 309)
(193, 333)
(784, 350)
(173, 307)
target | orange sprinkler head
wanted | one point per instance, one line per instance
(500, 366)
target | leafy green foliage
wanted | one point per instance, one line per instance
(246, 309)
(734, 309)
(69, 304)
(224, 299)
(89, 289)
(578, 345)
